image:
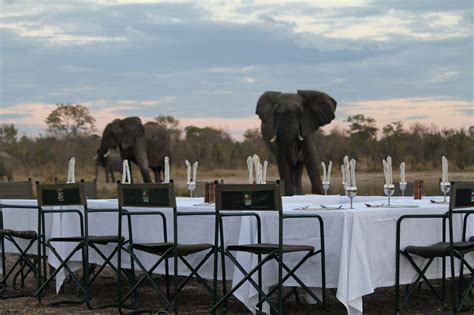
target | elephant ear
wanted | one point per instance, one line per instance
(131, 129)
(265, 104)
(319, 109)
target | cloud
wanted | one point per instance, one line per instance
(445, 76)
(441, 111)
(217, 58)
(231, 69)
(55, 34)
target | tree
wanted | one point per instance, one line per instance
(253, 135)
(172, 124)
(362, 127)
(70, 120)
(8, 134)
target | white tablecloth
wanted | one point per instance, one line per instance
(360, 242)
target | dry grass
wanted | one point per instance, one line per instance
(196, 300)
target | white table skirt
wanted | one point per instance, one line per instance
(360, 242)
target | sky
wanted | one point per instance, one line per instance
(207, 62)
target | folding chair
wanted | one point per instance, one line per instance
(17, 190)
(461, 202)
(51, 199)
(245, 200)
(158, 196)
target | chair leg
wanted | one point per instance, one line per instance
(260, 282)
(291, 273)
(247, 277)
(224, 276)
(147, 274)
(64, 265)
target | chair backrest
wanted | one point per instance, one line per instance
(90, 188)
(146, 195)
(16, 190)
(462, 196)
(255, 197)
(60, 194)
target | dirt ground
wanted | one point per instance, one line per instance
(194, 299)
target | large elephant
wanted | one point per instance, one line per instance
(288, 123)
(145, 145)
(7, 164)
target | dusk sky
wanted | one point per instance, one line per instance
(206, 63)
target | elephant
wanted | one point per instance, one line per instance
(7, 164)
(288, 121)
(113, 163)
(146, 145)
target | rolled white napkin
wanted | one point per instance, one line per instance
(71, 177)
(126, 178)
(264, 174)
(402, 173)
(324, 171)
(256, 164)
(195, 166)
(167, 170)
(444, 165)
(343, 172)
(347, 171)
(250, 168)
(329, 171)
(188, 172)
(353, 177)
(390, 173)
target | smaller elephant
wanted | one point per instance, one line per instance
(7, 163)
(146, 145)
(113, 163)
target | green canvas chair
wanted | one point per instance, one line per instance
(26, 262)
(158, 196)
(51, 199)
(247, 200)
(461, 203)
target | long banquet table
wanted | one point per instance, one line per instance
(360, 242)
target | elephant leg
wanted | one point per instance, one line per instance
(106, 172)
(285, 172)
(298, 178)
(10, 178)
(131, 177)
(157, 173)
(311, 160)
(141, 159)
(112, 176)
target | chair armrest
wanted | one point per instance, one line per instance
(242, 214)
(79, 213)
(7, 206)
(198, 213)
(415, 216)
(2, 205)
(98, 210)
(464, 227)
(311, 216)
(129, 215)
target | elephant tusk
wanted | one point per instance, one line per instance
(300, 137)
(107, 154)
(95, 157)
(273, 139)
